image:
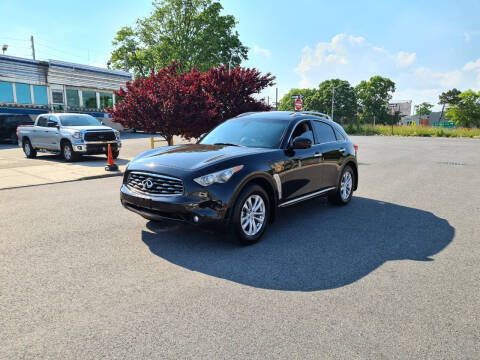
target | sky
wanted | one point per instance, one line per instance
(425, 47)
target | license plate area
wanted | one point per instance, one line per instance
(139, 201)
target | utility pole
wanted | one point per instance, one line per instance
(268, 100)
(126, 62)
(33, 47)
(276, 98)
(333, 99)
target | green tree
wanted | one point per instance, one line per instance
(190, 32)
(466, 112)
(373, 97)
(449, 98)
(345, 104)
(287, 104)
(424, 108)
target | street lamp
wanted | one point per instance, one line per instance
(333, 95)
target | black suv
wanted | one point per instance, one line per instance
(242, 171)
(9, 124)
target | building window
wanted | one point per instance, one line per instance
(40, 95)
(23, 94)
(73, 98)
(89, 99)
(6, 92)
(57, 96)
(106, 99)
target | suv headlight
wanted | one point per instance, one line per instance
(117, 134)
(218, 177)
(77, 135)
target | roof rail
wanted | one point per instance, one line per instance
(247, 113)
(317, 113)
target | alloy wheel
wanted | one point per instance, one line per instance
(253, 215)
(346, 185)
(27, 148)
(67, 152)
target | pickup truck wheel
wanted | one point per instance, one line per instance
(115, 154)
(68, 153)
(29, 151)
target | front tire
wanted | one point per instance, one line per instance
(251, 215)
(67, 152)
(344, 192)
(28, 149)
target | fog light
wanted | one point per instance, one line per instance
(195, 219)
(79, 147)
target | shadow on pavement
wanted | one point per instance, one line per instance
(312, 246)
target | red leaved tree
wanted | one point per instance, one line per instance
(188, 104)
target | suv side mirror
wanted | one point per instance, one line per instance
(302, 143)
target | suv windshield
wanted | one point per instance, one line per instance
(247, 132)
(78, 120)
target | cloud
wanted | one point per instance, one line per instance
(355, 59)
(261, 51)
(405, 59)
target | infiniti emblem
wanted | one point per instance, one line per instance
(147, 184)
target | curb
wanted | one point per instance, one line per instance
(93, 177)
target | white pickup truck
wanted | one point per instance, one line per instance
(70, 135)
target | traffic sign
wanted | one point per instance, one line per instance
(295, 97)
(298, 105)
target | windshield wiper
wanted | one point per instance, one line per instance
(226, 144)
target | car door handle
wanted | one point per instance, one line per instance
(318, 154)
(342, 149)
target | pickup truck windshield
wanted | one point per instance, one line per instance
(79, 120)
(247, 132)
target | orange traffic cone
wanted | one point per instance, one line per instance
(111, 166)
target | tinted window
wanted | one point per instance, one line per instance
(89, 99)
(252, 132)
(52, 121)
(42, 121)
(324, 132)
(40, 95)
(21, 119)
(23, 94)
(6, 92)
(303, 130)
(73, 98)
(339, 135)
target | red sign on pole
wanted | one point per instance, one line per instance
(298, 105)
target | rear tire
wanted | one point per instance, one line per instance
(28, 149)
(67, 152)
(344, 191)
(115, 154)
(250, 215)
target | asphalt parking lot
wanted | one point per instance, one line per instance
(394, 275)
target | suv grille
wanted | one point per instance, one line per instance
(154, 184)
(99, 136)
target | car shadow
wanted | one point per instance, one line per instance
(312, 246)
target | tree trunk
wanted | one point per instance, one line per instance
(170, 140)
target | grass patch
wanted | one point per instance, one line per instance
(411, 131)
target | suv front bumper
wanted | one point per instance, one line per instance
(191, 210)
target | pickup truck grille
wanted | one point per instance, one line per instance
(99, 136)
(154, 184)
